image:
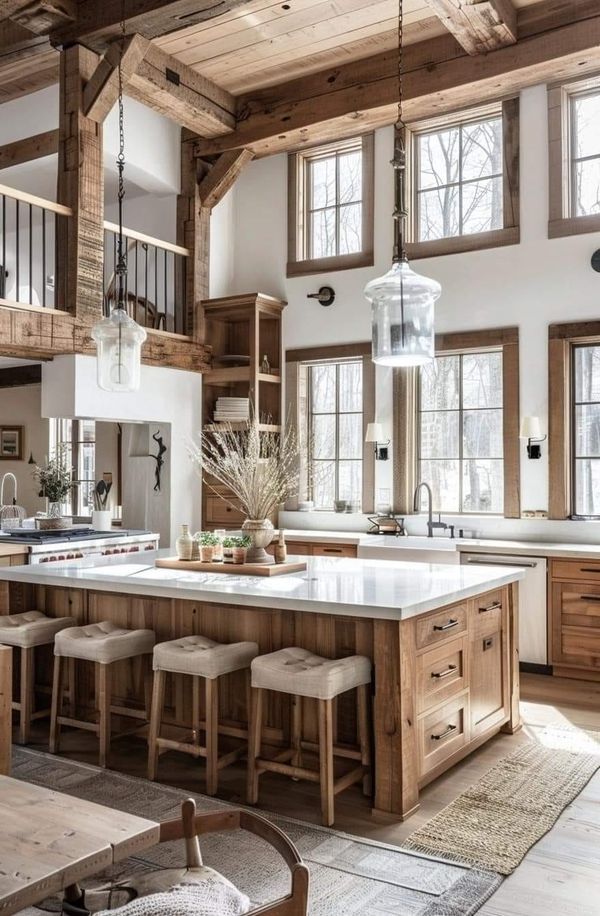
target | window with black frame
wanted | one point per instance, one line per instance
(585, 430)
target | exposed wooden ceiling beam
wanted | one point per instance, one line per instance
(26, 65)
(102, 89)
(29, 149)
(439, 77)
(478, 25)
(41, 16)
(176, 91)
(98, 21)
(222, 176)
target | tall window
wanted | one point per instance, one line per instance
(330, 206)
(459, 179)
(585, 153)
(461, 451)
(335, 433)
(585, 430)
(78, 437)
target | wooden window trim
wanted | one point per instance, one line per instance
(561, 338)
(561, 222)
(299, 266)
(495, 238)
(506, 340)
(293, 362)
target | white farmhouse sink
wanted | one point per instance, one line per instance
(412, 549)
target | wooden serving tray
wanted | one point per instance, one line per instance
(247, 569)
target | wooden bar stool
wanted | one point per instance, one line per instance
(27, 631)
(103, 644)
(198, 657)
(302, 674)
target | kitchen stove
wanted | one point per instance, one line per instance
(78, 543)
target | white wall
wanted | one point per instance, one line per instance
(22, 407)
(530, 285)
(167, 397)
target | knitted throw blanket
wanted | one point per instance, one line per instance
(208, 897)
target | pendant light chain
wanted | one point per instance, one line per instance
(399, 160)
(121, 266)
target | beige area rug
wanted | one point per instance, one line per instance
(494, 823)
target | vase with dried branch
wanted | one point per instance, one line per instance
(260, 468)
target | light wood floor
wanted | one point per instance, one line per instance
(559, 877)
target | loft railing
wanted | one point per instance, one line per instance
(156, 276)
(29, 229)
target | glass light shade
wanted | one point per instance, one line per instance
(530, 428)
(374, 432)
(119, 342)
(402, 307)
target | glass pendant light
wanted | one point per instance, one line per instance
(402, 301)
(119, 338)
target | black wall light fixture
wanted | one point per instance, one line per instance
(531, 430)
(325, 296)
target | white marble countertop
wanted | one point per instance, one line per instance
(379, 589)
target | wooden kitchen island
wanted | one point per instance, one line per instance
(442, 640)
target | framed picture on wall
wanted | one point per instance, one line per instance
(11, 443)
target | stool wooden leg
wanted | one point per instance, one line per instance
(56, 707)
(103, 703)
(195, 710)
(297, 731)
(254, 744)
(27, 693)
(364, 735)
(72, 686)
(158, 698)
(326, 761)
(212, 735)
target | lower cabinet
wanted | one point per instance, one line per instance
(318, 549)
(462, 679)
(575, 618)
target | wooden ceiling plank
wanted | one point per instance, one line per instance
(30, 148)
(179, 93)
(102, 90)
(222, 176)
(478, 25)
(41, 16)
(438, 78)
(98, 23)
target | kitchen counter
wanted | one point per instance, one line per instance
(380, 589)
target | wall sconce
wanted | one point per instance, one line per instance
(532, 431)
(375, 435)
(325, 296)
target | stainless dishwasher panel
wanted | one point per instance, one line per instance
(533, 617)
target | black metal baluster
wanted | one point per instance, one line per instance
(30, 253)
(137, 300)
(17, 251)
(44, 262)
(146, 281)
(156, 283)
(4, 271)
(166, 328)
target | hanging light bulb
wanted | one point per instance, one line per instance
(402, 301)
(119, 338)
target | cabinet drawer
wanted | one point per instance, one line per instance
(333, 550)
(218, 512)
(443, 732)
(586, 570)
(441, 625)
(576, 624)
(487, 612)
(442, 673)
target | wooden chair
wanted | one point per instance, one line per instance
(5, 709)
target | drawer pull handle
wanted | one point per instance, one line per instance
(332, 550)
(591, 597)
(449, 730)
(494, 606)
(439, 628)
(591, 569)
(440, 674)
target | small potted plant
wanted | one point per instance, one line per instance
(228, 545)
(208, 542)
(240, 549)
(56, 482)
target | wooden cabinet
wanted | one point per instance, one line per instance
(463, 670)
(318, 549)
(575, 618)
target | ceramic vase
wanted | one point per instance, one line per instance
(261, 533)
(184, 544)
(102, 520)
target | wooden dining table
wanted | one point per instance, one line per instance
(50, 841)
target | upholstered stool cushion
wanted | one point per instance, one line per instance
(103, 642)
(300, 672)
(201, 892)
(203, 657)
(31, 628)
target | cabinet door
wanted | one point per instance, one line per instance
(576, 625)
(488, 680)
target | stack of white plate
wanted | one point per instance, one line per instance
(232, 410)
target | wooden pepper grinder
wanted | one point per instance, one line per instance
(280, 548)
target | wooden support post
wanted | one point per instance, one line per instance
(5, 709)
(193, 232)
(102, 90)
(80, 186)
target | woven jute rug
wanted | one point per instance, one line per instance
(349, 876)
(494, 823)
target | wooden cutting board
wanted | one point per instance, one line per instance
(248, 569)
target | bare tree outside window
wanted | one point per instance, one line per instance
(459, 183)
(586, 430)
(585, 154)
(335, 425)
(461, 432)
(334, 203)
